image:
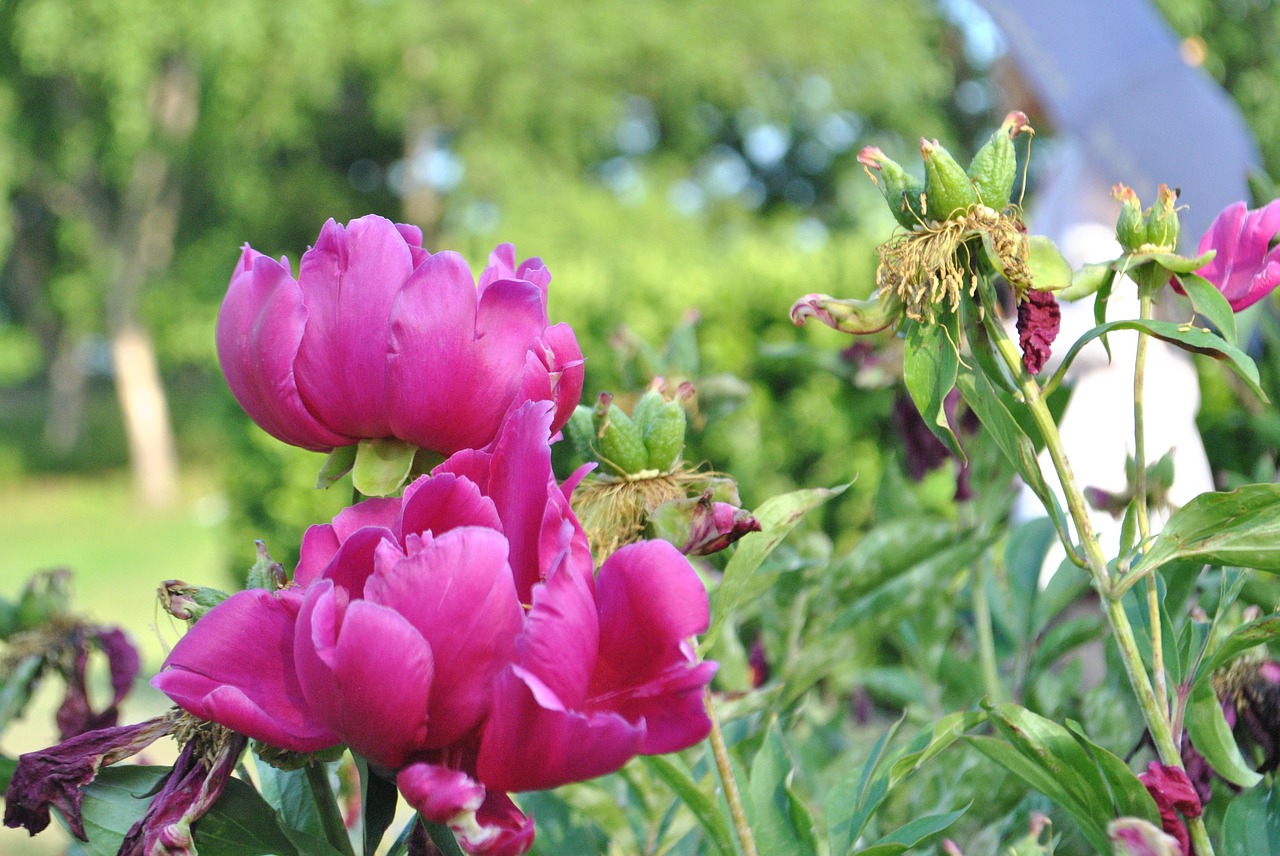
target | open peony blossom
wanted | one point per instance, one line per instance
(458, 639)
(1247, 265)
(378, 338)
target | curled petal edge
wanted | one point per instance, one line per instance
(848, 316)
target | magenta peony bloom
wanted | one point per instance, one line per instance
(1247, 266)
(379, 338)
(458, 637)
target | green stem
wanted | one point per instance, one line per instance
(986, 639)
(1155, 715)
(335, 831)
(732, 796)
(1140, 498)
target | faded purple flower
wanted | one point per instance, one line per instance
(76, 715)
(1247, 265)
(459, 636)
(379, 338)
(55, 776)
(189, 791)
(1038, 320)
(1175, 797)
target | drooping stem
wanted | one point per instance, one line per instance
(1153, 712)
(1140, 499)
(732, 796)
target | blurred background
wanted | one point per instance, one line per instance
(685, 169)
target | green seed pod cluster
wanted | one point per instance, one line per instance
(948, 191)
(649, 440)
(902, 190)
(1156, 228)
(995, 166)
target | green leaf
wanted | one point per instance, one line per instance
(1212, 736)
(1049, 270)
(851, 802)
(1171, 262)
(1024, 557)
(382, 466)
(913, 834)
(1210, 303)
(378, 798)
(1129, 797)
(1252, 824)
(778, 516)
(1241, 639)
(1063, 637)
(18, 687)
(337, 465)
(7, 766)
(773, 820)
(1239, 527)
(1048, 758)
(1184, 336)
(929, 369)
(443, 838)
(1089, 279)
(929, 744)
(240, 823)
(672, 771)
(1013, 442)
(294, 802)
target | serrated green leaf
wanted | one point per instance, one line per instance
(382, 466)
(929, 369)
(1210, 303)
(778, 516)
(704, 807)
(1241, 639)
(1239, 527)
(1211, 735)
(913, 834)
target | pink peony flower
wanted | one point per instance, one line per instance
(379, 338)
(1247, 266)
(458, 638)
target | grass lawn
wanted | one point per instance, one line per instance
(119, 554)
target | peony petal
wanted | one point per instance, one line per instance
(485, 823)
(413, 239)
(531, 741)
(235, 667)
(504, 829)
(350, 280)
(651, 601)
(457, 591)
(439, 793)
(442, 502)
(456, 357)
(260, 326)
(561, 636)
(320, 544)
(366, 672)
(353, 563)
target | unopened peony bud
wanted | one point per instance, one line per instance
(901, 189)
(947, 188)
(700, 527)
(1131, 225)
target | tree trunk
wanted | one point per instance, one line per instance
(153, 455)
(65, 416)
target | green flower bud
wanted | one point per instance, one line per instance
(849, 316)
(994, 168)
(618, 443)
(1162, 219)
(664, 436)
(901, 189)
(580, 431)
(1131, 226)
(947, 188)
(265, 574)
